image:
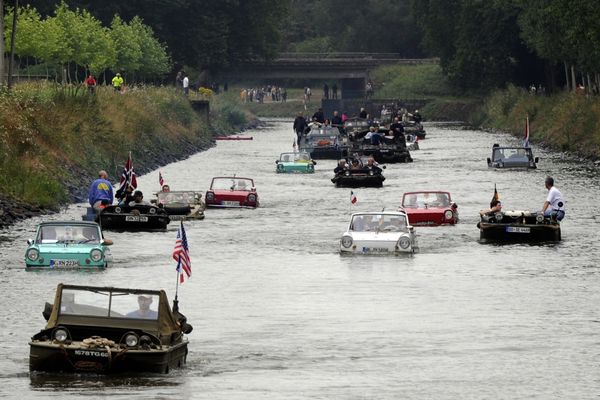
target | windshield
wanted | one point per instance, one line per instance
(426, 199)
(232, 184)
(68, 234)
(176, 197)
(511, 154)
(108, 304)
(287, 157)
(378, 222)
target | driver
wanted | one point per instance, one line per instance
(144, 311)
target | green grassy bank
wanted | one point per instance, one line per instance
(54, 139)
(564, 121)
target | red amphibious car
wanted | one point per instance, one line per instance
(430, 208)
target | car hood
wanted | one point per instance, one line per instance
(60, 248)
(240, 193)
(375, 236)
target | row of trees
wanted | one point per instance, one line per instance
(74, 40)
(385, 26)
(201, 34)
(486, 44)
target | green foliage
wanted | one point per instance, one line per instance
(410, 81)
(353, 25)
(313, 45)
(129, 49)
(76, 36)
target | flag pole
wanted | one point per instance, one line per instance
(177, 283)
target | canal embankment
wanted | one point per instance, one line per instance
(55, 139)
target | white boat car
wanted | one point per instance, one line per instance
(386, 232)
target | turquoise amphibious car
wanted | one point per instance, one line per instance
(297, 162)
(68, 244)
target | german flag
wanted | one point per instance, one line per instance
(495, 197)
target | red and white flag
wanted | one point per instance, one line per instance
(161, 181)
(353, 198)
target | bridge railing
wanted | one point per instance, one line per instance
(344, 55)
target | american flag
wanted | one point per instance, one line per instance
(128, 178)
(161, 181)
(181, 254)
(353, 198)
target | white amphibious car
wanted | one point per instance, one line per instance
(379, 233)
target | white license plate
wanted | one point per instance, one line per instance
(230, 203)
(374, 250)
(64, 263)
(518, 229)
(136, 218)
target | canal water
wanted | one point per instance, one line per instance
(279, 314)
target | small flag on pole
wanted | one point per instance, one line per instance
(526, 140)
(181, 254)
(294, 145)
(161, 181)
(353, 198)
(495, 197)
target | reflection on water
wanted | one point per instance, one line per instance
(278, 313)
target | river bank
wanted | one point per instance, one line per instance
(54, 139)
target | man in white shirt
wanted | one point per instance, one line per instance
(186, 85)
(554, 204)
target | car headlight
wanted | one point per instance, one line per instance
(347, 173)
(210, 196)
(251, 198)
(60, 334)
(32, 254)
(371, 172)
(404, 242)
(498, 216)
(152, 210)
(96, 254)
(448, 214)
(131, 340)
(539, 218)
(346, 241)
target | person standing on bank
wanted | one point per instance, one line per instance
(117, 82)
(554, 206)
(186, 85)
(90, 82)
(101, 192)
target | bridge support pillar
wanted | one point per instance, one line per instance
(353, 88)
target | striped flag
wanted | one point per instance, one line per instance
(526, 140)
(181, 254)
(495, 197)
(128, 178)
(353, 198)
(161, 181)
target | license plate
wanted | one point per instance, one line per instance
(518, 229)
(136, 218)
(374, 250)
(64, 263)
(230, 203)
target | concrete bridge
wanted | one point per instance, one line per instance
(349, 70)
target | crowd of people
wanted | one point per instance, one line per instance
(273, 93)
